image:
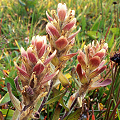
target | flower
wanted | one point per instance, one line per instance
(60, 36)
(59, 30)
(91, 65)
(34, 74)
(61, 10)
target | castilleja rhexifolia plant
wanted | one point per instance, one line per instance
(34, 74)
(60, 37)
(41, 65)
(91, 65)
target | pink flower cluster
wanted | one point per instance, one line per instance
(60, 30)
(91, 64)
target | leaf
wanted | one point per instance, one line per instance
(4, 99)
(82, 46)
(17, 44)
(1, 74)
(16, 115)
(58, 97)
(96, 23)
(74, 116)
(67, 57)
(11, 81)
(63, 105)
(115, 31)
(55, 61)
(83, 23)
(56, 91)
(56, 113)
(37, 105)
(111, 42)
(8, 112)
(5, 88)
(17, 104)
(93, 34)
(12, 73)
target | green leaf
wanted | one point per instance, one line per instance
(16, 115)
(12, 73)
(74, 116)
(11, 81)
(63, 105)
(83, 23)
(95, 25)
(56, 113)
(5, 88)
(115, 31)
(93, 34)
(8, 112)
(37, 105)
(111, 42)
(1, 74)
(4, 99)
(58, 97)
(56, 92)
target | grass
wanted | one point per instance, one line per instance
(98, 19)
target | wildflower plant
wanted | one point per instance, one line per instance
(34, 74)
(60, 37)
(91, 65)
(41, 66)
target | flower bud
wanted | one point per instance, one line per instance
(61, 11)
(52, 30)
(61, 43)
(31, 55)
(70, 25)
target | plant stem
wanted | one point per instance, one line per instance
(46, 97)
(67, 99)
(57, 103)
(48, 112)
(72, 106)
(111, 93)
(114, 110)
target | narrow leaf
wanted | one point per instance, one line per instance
(4, 99)
(74, 116)
(58, 97)
(95, 23)
(14, 100)
(56, 113)
(63, 105)
(110, 43)
(16, 115)
(67, 57)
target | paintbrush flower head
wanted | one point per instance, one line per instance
(92, 64)
(34, 74)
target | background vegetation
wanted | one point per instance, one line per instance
(98, 19)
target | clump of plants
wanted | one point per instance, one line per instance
(40, 79)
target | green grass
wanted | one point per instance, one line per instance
(98, 19)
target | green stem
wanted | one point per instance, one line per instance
(47, 111)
